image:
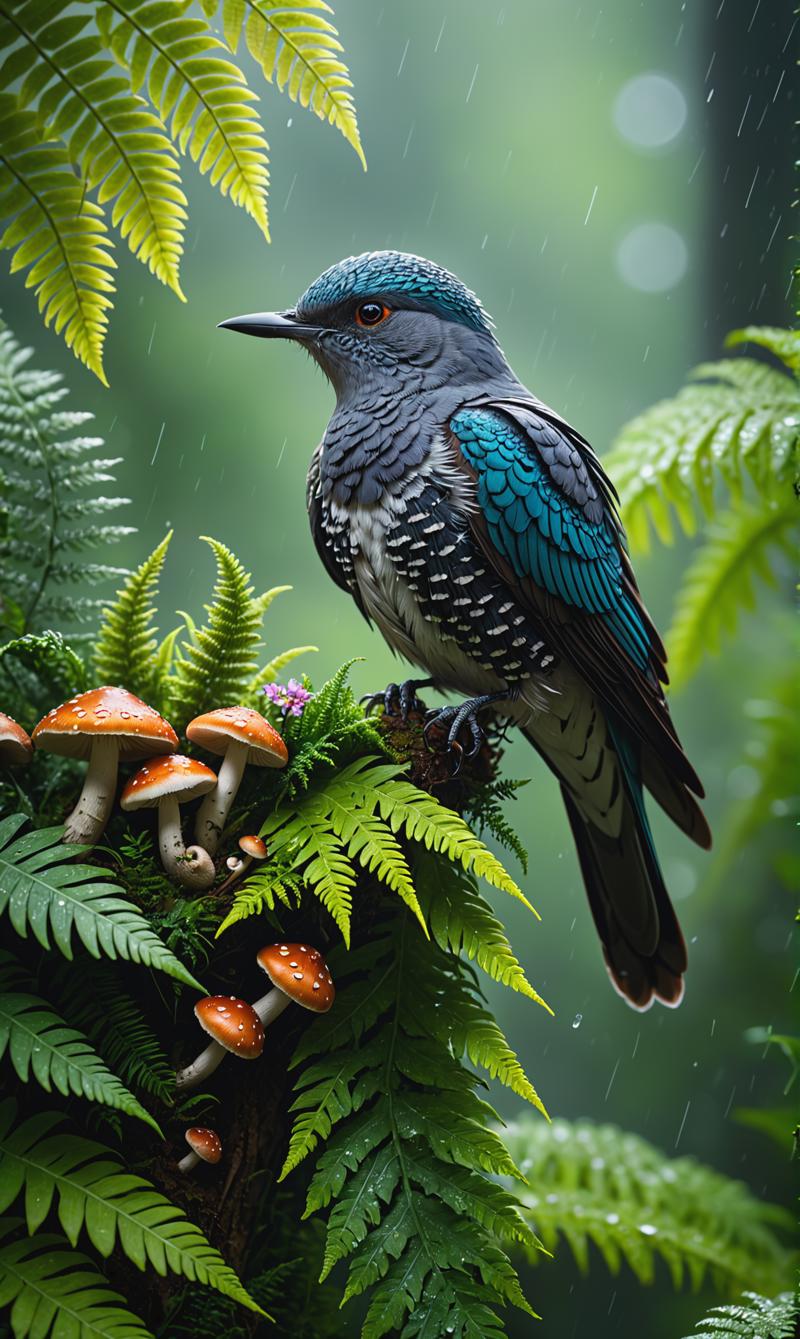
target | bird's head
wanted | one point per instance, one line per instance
(386, 315)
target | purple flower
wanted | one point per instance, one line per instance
(291, 698)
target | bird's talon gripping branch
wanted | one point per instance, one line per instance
(453, 720)
(398, 699)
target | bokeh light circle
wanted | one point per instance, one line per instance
(652, 257)
(650, 111)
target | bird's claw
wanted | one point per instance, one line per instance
(397, 699)
(453, 719)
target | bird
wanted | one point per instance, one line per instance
(477, 529)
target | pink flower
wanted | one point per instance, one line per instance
(291, 698)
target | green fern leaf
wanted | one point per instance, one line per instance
(126, 641)
(272, 669)
(754, 1317)
(41, 889)
(202, 99)
(55, 1291)
(478, 1035)
(56, 234)
(785, 344)
(597, 1184)
(739, 420)
(40, 1043)
(720, 580)
(263, 891)
(219, 659)
(90, 1189)
(300, 50)
(121, 148)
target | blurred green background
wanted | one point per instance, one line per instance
(613, 180)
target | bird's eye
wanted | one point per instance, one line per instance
(371, 313)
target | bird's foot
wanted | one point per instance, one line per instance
(453, 720)
(398, 699)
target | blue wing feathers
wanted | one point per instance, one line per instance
(547, 521)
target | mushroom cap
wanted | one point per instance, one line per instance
(185, 778)
(15, 745)
(111, 712)
(233, 1023)
(301, 973)
(215, 729)
(205, 1143)
(255, 847)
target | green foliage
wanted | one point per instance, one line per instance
(598, 1185)
(54, 1291)
(42, 890)
(105, 99)
(47, 465)
(40, 1043)
(126, 643)
(331, 729)
(90, 1190)
(484, 810)
(405, 1171)
(735, 431)
(753, 1318)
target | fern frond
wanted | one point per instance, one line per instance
(56, 234)
(406, 1153)
(720, 580)
(754, 1317)
(261, 892)
(47, 465)
(126, 640)
(219, 659)
(91, 1190)
(785, 344)
(121, 149)
(202, 99)
(55, 1291)
(599, 1185)
(41, 1044)
(738, 420)
(300, 50)
(42, 890)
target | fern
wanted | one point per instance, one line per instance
(739, 420)
(404, 1172)
(753, 1318)
(126, 644)
(47, 465)
(95, 107)
(598, 1185)
(720, 581)
(54, 1290)
(331, 728)
(91, 1190)
(40, 1043)
(299, 49)
(219, 658)
(484, 811)
(95, 1002)
(42, 890)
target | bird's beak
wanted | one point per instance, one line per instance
(272, 325)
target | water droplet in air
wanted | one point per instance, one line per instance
(577, 1020)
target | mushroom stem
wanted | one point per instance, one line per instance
(201, 1068)
(191, 866)
(271, 1005)
(215, 808)
(90, 815)
(186, 1164)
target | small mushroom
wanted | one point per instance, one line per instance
(254, 849)
(241, 736)
(166, 783)
(16, 749)
(300, 976)
(103, 725)
(206, 1146)
(233, 1026)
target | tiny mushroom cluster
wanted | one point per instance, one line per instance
(299, 975)
(109, 725)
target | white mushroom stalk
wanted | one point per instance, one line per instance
(241, 737)
(88, 819)
(213, 812)
(190, 866)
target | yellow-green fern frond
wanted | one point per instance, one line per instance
(120, 147)
(56, 234)
(202, 99)
(301, 51)
(720, 580)
(126, 641)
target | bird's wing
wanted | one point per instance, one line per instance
(547, 520)
(331, 541)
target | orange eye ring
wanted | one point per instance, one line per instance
(370, 314)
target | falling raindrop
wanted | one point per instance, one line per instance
(578, 1019)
